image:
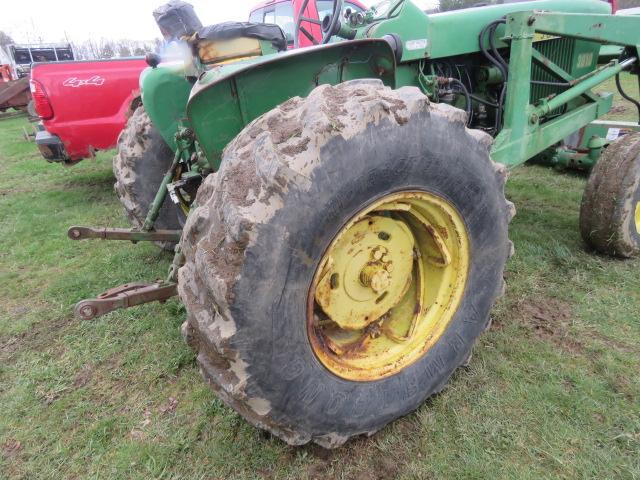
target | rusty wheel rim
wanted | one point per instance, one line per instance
(388, 286)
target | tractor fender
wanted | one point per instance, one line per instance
(165, 91)
(224, 100)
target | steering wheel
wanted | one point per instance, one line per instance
(330, 25)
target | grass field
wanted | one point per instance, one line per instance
(553, 390)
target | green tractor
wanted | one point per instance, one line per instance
(345, 225)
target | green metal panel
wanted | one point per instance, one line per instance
(225, 100)
(524, 134)
(576, 57)
(616, 30)
(456, 32)
(165, 91)
(411, 24)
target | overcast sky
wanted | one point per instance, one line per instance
(34, 21)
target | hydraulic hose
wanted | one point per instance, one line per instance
(467, 97)
(624, 95)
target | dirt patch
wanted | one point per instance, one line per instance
(42, 336)
(360, 459)
(84, 377)
(296, 148)
(549, 319)
(11, 448)
(169, 406)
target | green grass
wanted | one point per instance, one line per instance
(553, 390)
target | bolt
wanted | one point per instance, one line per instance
(87, 312)
(76, 233)
(374, 277)
(534, 119)
(389, 267)
(384, 236)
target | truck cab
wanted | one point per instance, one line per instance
(283, 13)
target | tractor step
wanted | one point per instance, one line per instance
(124, 296)
(83, 233)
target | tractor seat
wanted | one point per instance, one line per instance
(233, 41)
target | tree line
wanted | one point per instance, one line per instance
(101, 48)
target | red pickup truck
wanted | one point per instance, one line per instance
(85, 105)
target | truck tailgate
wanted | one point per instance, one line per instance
(89, 100)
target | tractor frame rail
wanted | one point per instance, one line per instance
(124, 296)
(132, 235)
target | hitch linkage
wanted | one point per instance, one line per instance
(125, 296)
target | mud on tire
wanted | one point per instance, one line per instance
(142, 159)
(610, 210)
(288, 182)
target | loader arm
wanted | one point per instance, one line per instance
(524, 134)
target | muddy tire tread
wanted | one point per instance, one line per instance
(233, 202)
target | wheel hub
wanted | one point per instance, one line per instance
(361, 281)
(388, 286)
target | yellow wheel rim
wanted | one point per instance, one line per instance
(638, 217)
(388, 286)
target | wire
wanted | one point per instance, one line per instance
(486, 53)
(500, 64)
(492, 43)
(498, 122)
(467, 97)
(483, 101)
(627, 97)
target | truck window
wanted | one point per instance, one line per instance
(285, 19)
(281, 14)
(325, 7)
(257, 16)
(270, 16)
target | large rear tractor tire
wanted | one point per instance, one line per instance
(142, 160)
(344, 260)
(610, 211)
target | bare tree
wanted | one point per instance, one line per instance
(123, 49)
(5, 39)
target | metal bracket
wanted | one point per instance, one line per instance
(124, 296)
(82, 233)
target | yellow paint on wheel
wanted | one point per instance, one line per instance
(638, 217)
(388, 286)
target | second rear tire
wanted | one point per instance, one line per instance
(142, 159)
(610, 210)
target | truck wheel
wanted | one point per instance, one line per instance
(342, 263)
(142, 159)
(610, 210)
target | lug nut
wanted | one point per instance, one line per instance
(375, 277)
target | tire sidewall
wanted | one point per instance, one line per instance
(426, 154)
(630, 198)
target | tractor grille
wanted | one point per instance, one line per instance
(561, 52)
